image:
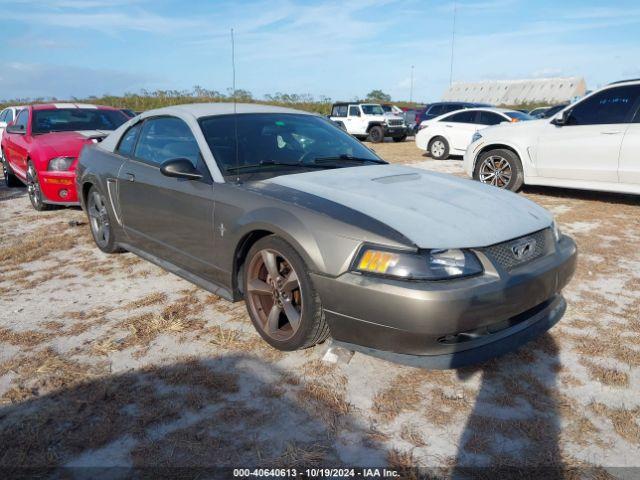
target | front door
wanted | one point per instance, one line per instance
(356, 125)
(170, 218)
(459, 129)
(629, 169)
(587, 146)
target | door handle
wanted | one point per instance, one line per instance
(612, 132)
(449, 126)
(131, 177)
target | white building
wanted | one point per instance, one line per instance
(515, 92)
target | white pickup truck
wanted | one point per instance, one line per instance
(368, 120)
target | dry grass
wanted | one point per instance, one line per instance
(607, 376)
(146, 301)
(624, 420)
(26, 338)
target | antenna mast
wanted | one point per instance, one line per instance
(235, 109)
(453, 38)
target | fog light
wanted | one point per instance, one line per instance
(63, 193)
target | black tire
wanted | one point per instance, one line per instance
(376, 134)
(9, 177)
(100, 222)
(35, 193)
(312, 327)
(506, 163)
(399, 139)
(439, 148)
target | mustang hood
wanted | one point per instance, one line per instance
(433, 210)
(69, 143)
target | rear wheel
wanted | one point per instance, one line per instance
(376, 134)
(35, 192)
(439, 148)
(283, 304)
(9, 177)
(100, 222)
(501, 168)
(400, 139)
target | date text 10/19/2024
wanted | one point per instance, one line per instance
(315, 472)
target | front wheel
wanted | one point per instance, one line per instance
(100, 222)
(376, 134)
(283, 304)
(35, 192)
(501, 168)
(400, 139)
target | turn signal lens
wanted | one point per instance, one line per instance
(377, 261)
(417, 265)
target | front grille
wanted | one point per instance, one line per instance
(394, 122)
(503, 255)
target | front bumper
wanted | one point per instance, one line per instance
(396, 131)
(461, 321)
(59, 187)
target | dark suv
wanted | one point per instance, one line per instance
(434, 110)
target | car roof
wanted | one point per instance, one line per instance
(483, 109)
(631, 80)
(199, 110)
(53, 106)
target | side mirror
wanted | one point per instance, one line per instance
(19, 129)
(180, 168)
(562, 118)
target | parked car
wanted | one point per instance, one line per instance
(551, 111)
(592, 144)
(41, 147)
(538, 112)
(7, 116)
(368, 121)
(321, 237)
(450, 134)
(437, 109)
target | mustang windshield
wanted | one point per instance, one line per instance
(281, 141)
(70, 119)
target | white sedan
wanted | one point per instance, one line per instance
(450, 134)
(592, 144)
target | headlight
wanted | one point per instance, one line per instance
(556, 231)
(60, 164)
(429, 265)
(476, 136)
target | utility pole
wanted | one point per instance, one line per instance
(453, 38)
(411, 89)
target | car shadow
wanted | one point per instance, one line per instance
(514, 428)
(184, 418)
(588, 195)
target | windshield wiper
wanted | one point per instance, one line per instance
(348, 158)
(269, 163)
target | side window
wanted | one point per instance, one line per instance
(4, 116)
(452, 108)
(489, 118)
(436, 110)
(128, 140)
(462, 117)
(354, 111)
(610, 106)
(167, 138)
(339, 111)
(22, 119)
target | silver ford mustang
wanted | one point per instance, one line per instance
(321, 237)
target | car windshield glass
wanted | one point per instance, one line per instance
(372, 110)
(70, 119)
(276, 142)
(519, 116)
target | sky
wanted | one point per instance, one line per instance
(341, 49)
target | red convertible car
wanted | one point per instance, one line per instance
(41, 148)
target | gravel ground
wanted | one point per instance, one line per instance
(110, 361)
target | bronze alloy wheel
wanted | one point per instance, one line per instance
(274, 294)
(99, 219)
